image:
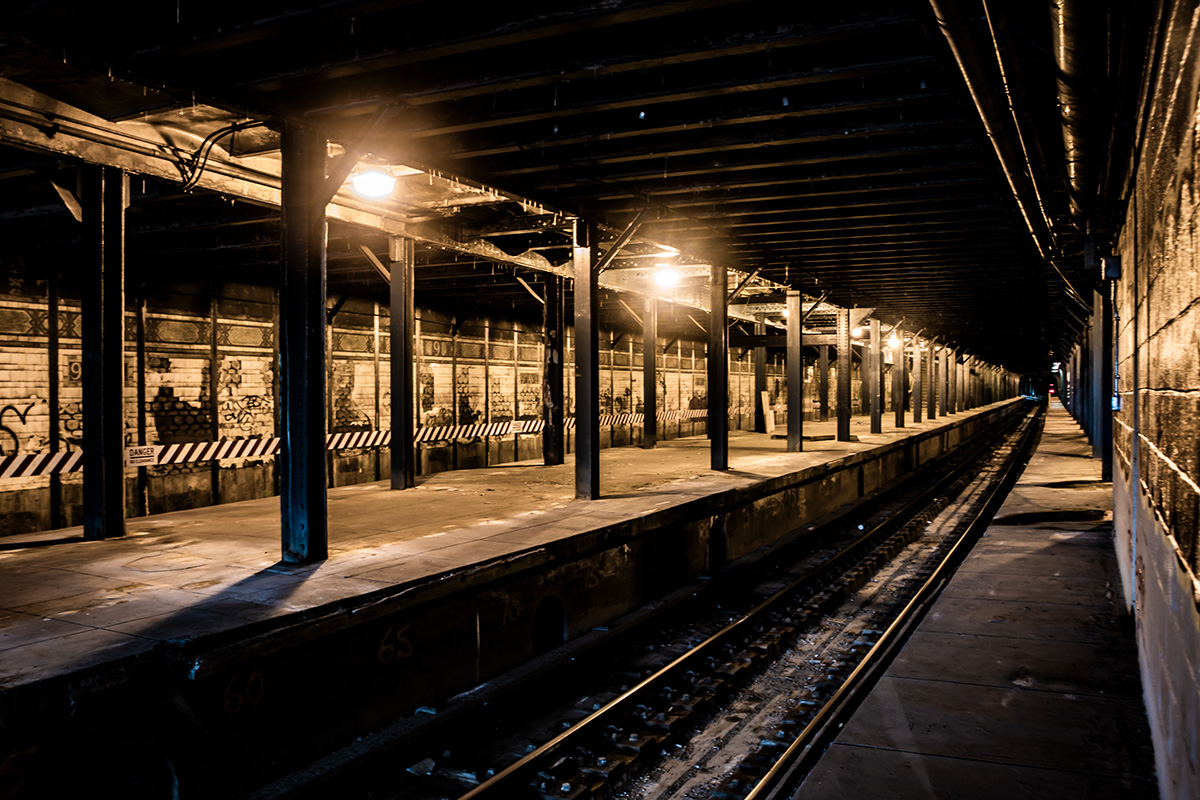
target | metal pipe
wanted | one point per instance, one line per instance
(1072, 75)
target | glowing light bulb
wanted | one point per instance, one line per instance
(666, 277)
(856, 333)
(893, 341)
(373, 183)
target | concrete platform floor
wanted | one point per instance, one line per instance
(1022, 681)
(67, 604)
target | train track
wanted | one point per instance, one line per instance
(736, 701)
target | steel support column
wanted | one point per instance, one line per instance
(587, 363)
(952, 382)
(918, 371)
(302, 348)
(760, 377)
(553, 397)
(403, 362)
(843, 375)
(795, 372)
(718, 368)
(650, 373)
(823, 382)
(105, 196)
(943, 381)
(875, 365)
(932, 382)
(899, 379)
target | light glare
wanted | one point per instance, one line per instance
(666, 277)
(373, 183)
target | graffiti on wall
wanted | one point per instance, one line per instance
(13, 418)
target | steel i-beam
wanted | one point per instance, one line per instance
(718, 368)
(302, 348)
(105, 196)
(587, 363)
(403, 340)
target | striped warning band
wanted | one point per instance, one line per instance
(33, 464)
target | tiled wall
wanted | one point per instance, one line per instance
(484, 370)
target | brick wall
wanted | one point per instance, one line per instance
(1156, 433)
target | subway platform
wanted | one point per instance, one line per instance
(190, 623)
(1023, 680)
(69, 604)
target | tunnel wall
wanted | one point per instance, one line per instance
(1156, 476)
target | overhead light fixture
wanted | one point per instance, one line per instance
(374, 181)
(666, 276)
(893, 341)
(785, 313)
(856, 333)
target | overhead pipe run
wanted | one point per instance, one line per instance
(977, 71)
(1073, 75)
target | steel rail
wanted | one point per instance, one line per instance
(799, 758)
(517, 776)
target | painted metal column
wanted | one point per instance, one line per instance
(302, 349)
(823, 382)
(105, 196)
(943, 381)
(403, 362)
(718, 368)
(952, 381)
(843, 376)
(918, 372)
(874, 363)
(899, 379)
(795, 372)
(587, 363)
(553, 338)
(760, 376)
(864, 376)
(932, 382)
(650, 374)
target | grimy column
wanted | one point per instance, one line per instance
(944, 381)
(932, 382)
(105, 196)
(760, 376)
(899, 379)
(917, 372)
(795, 372)
(553, 398)
(650, 374)
(587, 363)
(823, 382)
(874, 363)
(403, 360)
(952, 381)
(302, 366)
(718, 368)
(843, 376)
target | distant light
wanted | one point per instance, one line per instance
(785, 313)
(373, 182)
(893, 341)
(666, 277)
(855, 333)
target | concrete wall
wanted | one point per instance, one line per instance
(1156, 475)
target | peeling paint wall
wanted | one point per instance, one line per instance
(1156, 432)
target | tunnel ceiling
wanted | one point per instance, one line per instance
(835, 147)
